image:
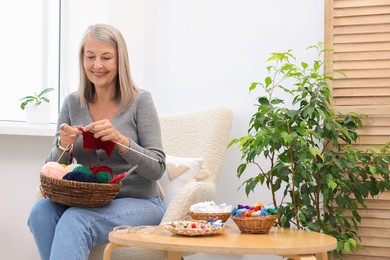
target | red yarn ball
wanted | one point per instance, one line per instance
(101, 168)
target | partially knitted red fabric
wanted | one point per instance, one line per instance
(92, 143)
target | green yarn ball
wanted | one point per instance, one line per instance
(83, 169)
(103, 177)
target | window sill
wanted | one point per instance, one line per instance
(22, 128)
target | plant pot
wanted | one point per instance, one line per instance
(38, 114)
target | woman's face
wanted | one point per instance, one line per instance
(100, 63)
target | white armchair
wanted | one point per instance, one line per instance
(204, 134)
(198, 134)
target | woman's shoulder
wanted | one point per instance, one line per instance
(143, 94)
(71, 102)
(72, 98)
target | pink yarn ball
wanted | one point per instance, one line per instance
(53, 170)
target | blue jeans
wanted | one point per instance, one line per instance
(62, 232)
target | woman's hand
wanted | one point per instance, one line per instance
(104, 130)
(68, 135)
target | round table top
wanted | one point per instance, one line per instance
(279, 241)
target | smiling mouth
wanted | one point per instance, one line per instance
(98, 74)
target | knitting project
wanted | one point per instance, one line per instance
(92, 143)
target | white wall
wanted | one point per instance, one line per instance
(190, 54)
(201, 53)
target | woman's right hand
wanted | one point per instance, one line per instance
(68, 135)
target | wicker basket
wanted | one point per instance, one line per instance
(210, 216)
(184, 228)
(78, 194)
(255, 225)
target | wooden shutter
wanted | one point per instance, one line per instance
(358, 33)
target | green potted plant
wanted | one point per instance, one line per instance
(37, 107)
(317, 179)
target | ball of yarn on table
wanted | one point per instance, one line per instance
(253, 211)
(79, 176)
(53, 170)
(70, 167)
(103, 177)
(101, 168)
(84, 170)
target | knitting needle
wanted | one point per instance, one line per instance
(121, 176)
(118, 143)
(157, 160)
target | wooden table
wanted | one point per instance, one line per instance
(293, 243)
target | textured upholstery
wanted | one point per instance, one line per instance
(202, 133)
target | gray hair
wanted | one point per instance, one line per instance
(125, 89)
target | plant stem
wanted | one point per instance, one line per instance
(292, 181)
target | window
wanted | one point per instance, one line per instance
(30, 53)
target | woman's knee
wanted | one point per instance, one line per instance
(45, 212)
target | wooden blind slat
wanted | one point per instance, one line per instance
(362, 38)
(379, 213)
(376, 122)
(361, 47)
(374, 55)
(375, 223)
(371, 140)
(356, 11)
(379, 252)
(375, 241)
(359, 3)
(355, 74)
(360, 83)
(361, 92)
(353, 29)
(374, 131)
(374, 232)
(368, 110)
(357, 20)
(362, 101)
(375, 64)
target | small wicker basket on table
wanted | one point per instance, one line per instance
(78, 194)
(255, 225)
(210, 216)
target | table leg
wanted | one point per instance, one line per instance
(173, 255)
(322, 256)
(108, 250)
(318, 256)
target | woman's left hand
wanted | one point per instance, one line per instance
(105, 131)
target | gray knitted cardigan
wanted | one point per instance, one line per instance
(140, 123)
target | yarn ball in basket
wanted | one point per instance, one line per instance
(79, 176)
(70, 167)
(257, 219)
(253, 211)
(53, 170)
(103, 177)
(209, 210)
(101, 168)
(84, 170)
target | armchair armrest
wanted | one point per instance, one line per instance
(191, 193)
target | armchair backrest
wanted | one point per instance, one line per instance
(202, 133)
